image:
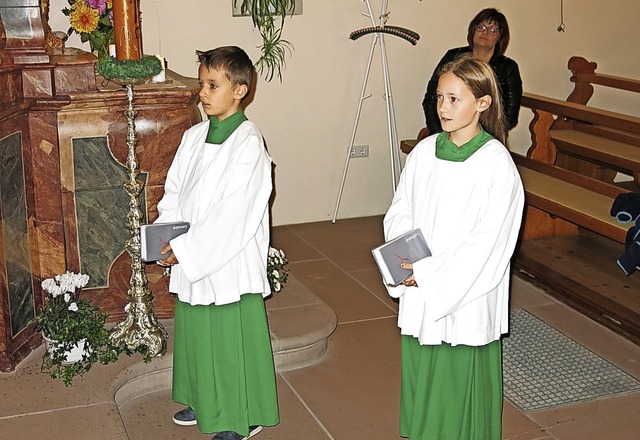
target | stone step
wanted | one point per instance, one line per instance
(300, 325)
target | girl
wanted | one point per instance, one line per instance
(463, 190)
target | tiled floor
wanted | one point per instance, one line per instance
(352, 393)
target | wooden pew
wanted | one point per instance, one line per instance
(588, 140)
(568, 174)
(570, 198)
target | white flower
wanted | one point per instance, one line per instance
(276, 269)
(73, 307)
(67, 297)
(48, 284)
(68, 282)
(82, 280)
(55, 290)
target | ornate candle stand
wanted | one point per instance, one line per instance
(140, 331)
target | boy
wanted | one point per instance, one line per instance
(220, 182)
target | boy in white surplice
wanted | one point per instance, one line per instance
(220, 182)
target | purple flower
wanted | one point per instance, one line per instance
(100, 5)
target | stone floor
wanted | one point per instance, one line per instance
(349, 392)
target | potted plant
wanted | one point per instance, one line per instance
(268, 18)
(72, 327)
(277, 272)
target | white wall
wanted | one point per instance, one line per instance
(307, 119)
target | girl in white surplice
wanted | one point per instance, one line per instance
(462, 189)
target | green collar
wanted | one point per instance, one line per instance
(447, 150)
(219, 131)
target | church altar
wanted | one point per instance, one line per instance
(63, 160)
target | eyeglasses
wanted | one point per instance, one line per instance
(492, 30)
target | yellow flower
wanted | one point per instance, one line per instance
(84, 18)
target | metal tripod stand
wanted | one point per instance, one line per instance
(377, 32)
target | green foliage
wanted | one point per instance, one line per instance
(67, 320)
(66, 329)
(268, 17)
(143, 68)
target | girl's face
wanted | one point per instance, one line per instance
(458, 109)
(218, 96)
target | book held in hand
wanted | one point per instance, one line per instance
(156, 236)
(407, 248)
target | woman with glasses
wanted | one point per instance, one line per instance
(488, 38)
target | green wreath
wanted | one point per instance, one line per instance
(145, 67)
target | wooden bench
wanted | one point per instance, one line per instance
(594, 142)
(569, 175)
(572, 200)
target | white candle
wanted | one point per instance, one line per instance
(160, 77)
(112, 50)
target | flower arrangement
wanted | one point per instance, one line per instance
(69, 321)
(277, 272)
(93, 21)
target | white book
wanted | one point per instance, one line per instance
(156, 236)
(407, 248)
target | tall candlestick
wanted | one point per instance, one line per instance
(127, 33)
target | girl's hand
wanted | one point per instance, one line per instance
(170, 260)
(411, 281)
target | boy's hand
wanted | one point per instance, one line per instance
(170, 260)
(411, 281)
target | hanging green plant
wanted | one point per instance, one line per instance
(268, 17)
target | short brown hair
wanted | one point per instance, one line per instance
(233, 61)
(491, 15)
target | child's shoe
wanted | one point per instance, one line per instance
(185, 417)
(232, 435)
(253, 430)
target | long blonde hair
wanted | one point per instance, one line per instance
(481, 81)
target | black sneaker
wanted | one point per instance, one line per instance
(253, 430)
(185, 417)
(228, 435)
(232, 435)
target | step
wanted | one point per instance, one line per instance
(300, 324)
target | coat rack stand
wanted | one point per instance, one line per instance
(377, 32)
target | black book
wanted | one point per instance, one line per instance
(156, 236)
(407, 248)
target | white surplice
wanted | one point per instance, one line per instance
(470, 214)
(223, 191)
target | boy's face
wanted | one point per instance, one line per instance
(218, 96)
